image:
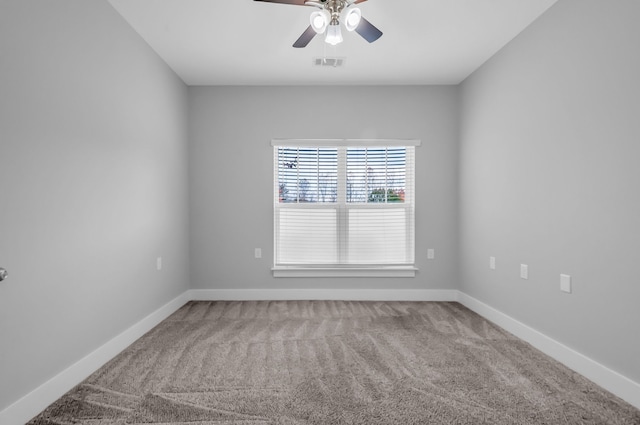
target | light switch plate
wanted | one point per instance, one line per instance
(492, 263)
(524, 271)
(431, 254)
(565, 283)
(258, 253)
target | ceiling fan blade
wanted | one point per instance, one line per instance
(368, 31)
(305, 38)
(294, 2)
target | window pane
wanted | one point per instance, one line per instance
(307, 174)
(288, 174)
(376, 174)
(307, 236)
(396, 174)
(378, 236)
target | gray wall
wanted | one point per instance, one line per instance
(231, 174)
(93, 178)
(550, 143)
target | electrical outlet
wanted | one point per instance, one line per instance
(258, 253)
(431, 254)
(492, 263)
(159, 263)
(524, 271)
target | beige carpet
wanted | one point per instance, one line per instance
(333, 362)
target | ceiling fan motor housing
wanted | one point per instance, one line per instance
(335, 7)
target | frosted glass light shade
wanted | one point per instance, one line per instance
(319, 21)
(334, 35)
(352, 18)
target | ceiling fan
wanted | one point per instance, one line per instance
(327, 19)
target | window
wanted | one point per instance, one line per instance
(344, 207)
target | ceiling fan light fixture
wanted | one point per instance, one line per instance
(352, 18)
(319, 21)
(334, 34)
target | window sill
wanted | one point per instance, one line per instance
(387, 271)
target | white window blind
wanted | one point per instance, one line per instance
(344, 204)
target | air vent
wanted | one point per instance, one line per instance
(329, 62)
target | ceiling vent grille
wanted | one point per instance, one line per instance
(329, 62)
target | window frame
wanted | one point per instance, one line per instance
(342, 207)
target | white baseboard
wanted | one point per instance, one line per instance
(40, 398)
(608, 379)
(324, 294)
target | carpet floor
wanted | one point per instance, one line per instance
(333, 362)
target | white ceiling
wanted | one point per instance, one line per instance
(246, 42)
